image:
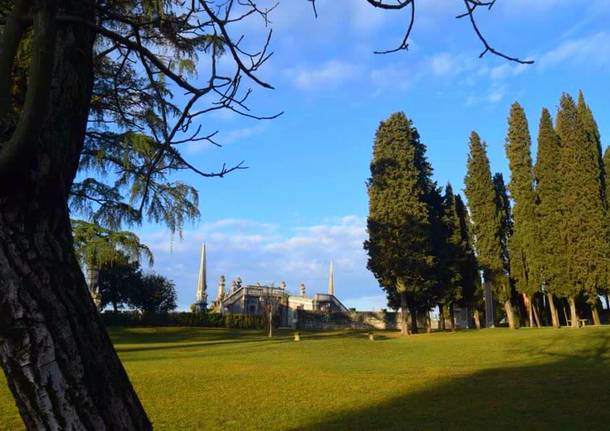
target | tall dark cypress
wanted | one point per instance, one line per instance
(451, 255)
(487, 222)
(583, 227)
(523, 242)
(594, 146)
(400, 244)
(550, 259)
(472, 292)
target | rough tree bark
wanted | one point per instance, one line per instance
(553, 309)
(441, 317)
(58, 359)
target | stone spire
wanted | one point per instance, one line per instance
(202, 285)
(221, 288)
(331, 279)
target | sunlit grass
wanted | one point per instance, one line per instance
(196, 379)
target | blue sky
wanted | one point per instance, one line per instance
(303, 199)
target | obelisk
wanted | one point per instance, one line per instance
(331, 279)
(202, 285)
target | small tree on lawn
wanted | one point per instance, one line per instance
(155, 294)
(269, 301)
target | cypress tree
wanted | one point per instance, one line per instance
(522, 244)
(472, 293)
(487, 222)
(451, 256)
(399, 245)
(584, 227)
(594, 146)
(606, 160)
(551, 255)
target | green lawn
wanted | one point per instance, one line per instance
(207, 379)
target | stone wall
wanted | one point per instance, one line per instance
(362, 320)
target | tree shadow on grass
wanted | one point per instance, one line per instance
(127, 341)
(569, 392)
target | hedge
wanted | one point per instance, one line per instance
(214, 320)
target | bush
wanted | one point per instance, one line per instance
(213, 320)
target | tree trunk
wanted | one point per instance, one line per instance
(477, 318)
(565, 314)
(510, 317)
(595, 315)
(404, 330)
(489, 305)
(536, 317)
(428, 323)
(413, 313)
(441, 317)
(270, 324)
(607, 300)
(451, 318)
(553, 309)
(530, 312)
(573, 313)
(59, 362)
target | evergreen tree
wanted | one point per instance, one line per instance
(550, 257)
(117, 279)
(472, 292)
(594, 144)
(487, 222)
(400, 244)
(523, 243)
(449, 255)
(584, 226)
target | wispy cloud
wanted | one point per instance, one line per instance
(594, 50)
(323, 76)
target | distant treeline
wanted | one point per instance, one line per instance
(541, 243)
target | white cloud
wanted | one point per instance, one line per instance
(324, 76)
(395, 76)
(444, 64)
(266, 253)
(593, 50)
(494, 95)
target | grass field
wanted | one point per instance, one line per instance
(208, 379)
